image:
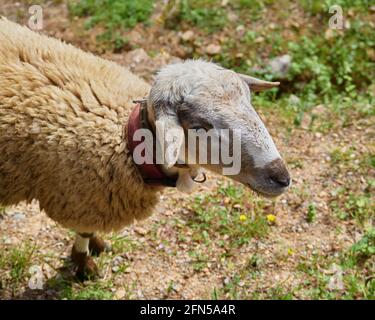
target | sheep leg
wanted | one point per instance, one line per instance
(97, 245)
(86, 267)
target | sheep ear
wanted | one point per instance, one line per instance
(256, 84)
(171, 137)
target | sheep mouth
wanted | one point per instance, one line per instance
(264, 193)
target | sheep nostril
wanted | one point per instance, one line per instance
(281, 181)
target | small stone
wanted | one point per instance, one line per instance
(240, 28)
(259, 40)
(293, 99)
(141, 231)
(187, 35)
(232, 17)
(318, 135)
(118, 260)
(18, 216)
(115, 269)
(168, 213)
(140, 294)
(272, 26)
(120, 293)
(280, 65)
(213, 49)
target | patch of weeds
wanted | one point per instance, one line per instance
(348, 205)
(340, 156)
(199, 260)
(347, 276)
(327, 66)
(96, 290)
(364, 249)
(204, 14)
(113, 15)
(122, 244)
(311, 213)
(17, 262)
(254, 262)
(322, 7)
(230, 212)
(231, 288)
(211, 15)
(278, 293)
(349, 159)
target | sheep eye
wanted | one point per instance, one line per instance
(199, 128)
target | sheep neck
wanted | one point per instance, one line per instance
(152, 173)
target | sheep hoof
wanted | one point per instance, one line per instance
(86, 267)
(97, 245)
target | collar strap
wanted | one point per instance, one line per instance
(151, 173)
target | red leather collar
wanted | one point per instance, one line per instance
(152, 174)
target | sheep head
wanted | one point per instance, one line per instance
(203, 98)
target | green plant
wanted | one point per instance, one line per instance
(17, 261)
(364, 248)
(311, 213)
(113, 15)
(229, 213)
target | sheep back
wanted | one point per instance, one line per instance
(63, 115)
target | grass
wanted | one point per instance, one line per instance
(112, 13)
(311, 213)
(231, 213)
(17, 262)
(98, 290)
(353, 271)
(114, 16)
(348, 275)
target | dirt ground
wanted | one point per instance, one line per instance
(150, 261)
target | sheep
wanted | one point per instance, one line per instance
(65, 117)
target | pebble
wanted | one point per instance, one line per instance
(293, 99)
(213, 49)
(18, 216)
(280, 64)
(141, 231)
(187, 35)
(118, 260)
(120, 293)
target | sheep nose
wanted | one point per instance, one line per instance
(278, 173)
(282, 181)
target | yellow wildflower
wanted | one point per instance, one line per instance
(271, 218)
(243, 217)
(290, 251)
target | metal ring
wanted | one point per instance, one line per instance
(201, 181)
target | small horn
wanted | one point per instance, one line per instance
(256, 84)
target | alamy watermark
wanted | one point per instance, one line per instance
(215, 146)
(36, 281)
(337, 19)
(36, 17)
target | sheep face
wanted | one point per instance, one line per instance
(202, 96)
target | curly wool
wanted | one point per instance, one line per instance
(63, 115)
